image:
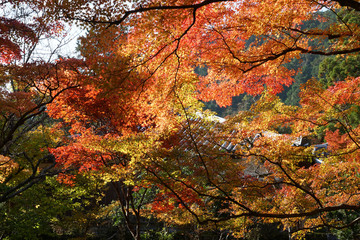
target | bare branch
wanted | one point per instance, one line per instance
(154, 8)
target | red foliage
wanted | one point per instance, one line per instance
(10, 30)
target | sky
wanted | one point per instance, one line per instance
(50, 49)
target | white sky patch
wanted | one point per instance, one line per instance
(50, 45)
(53, 47)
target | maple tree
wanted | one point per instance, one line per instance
(243, 62)
(266, 178)
(32, 203)
(114, 121)
(27, 84)
(136, 91)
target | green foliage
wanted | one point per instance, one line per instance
(164, 234)
(29, 215)
(309, 67)
(354, 116)
(338, 68)
(335, 69)
(350, 16)
(353, 231)
(50, 209)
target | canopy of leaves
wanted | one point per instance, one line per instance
(128, 112)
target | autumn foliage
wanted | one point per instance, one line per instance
(139, 86)
(128, 111)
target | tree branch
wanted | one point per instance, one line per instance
(154, 8)
(349, 3)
